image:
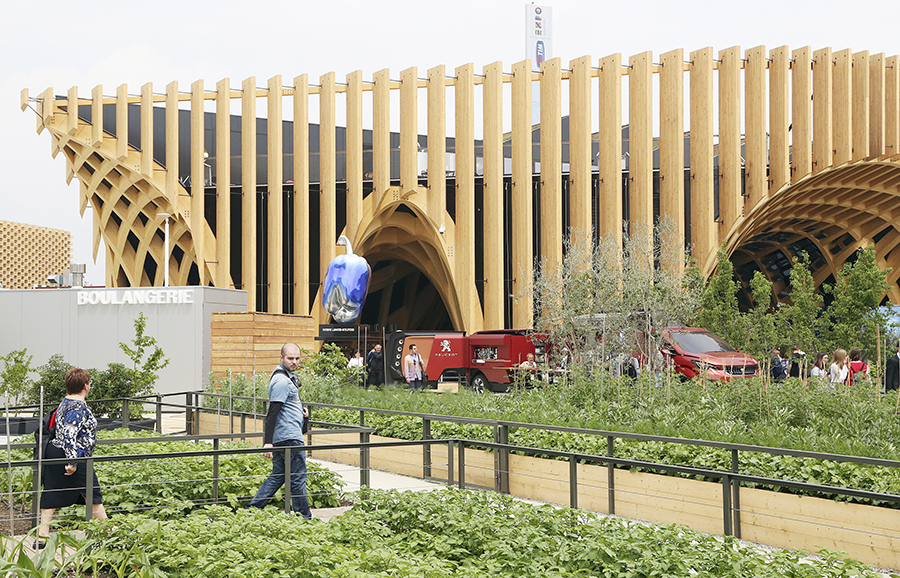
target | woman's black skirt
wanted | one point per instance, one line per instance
(61, 490)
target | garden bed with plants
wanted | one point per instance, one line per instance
(436, 534)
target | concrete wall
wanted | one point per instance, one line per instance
(87, 325)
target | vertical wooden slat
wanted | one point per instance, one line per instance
(45, 108)
(494, 286)
(580, 215)
(860, 106)
(801, 113)
(198, 178)
(703, 237)
(437, 144)
(610, 144)
(301, 195)
(71, 110)
(275, 205)
(409, 130)
(354, 153)
(223, 183)
(823, 111)
(876, 105)
(248, 190)
(779, 118)
(892, 105)
(522, 208)
(327, 234)
(755, 144)
(842, 129)
(97, 115)
(671, 154)
(730, 200)
(465, 197)
(172, 142)
(381, 134)
(640, 151)
(147, 129)
(122, 121)
(551, 164)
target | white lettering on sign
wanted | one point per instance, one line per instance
(136, 297)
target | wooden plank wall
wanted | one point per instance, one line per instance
(251, 342)
(777, 117)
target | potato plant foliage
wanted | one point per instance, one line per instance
(445, 533)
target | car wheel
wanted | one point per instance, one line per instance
(479, 383)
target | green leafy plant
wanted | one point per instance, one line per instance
(145, 372)
(14, 379)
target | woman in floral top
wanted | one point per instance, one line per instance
(76, 436)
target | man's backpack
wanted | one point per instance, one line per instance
(857, 374)
(47, 433)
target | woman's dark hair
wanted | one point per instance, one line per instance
(820, 356)
(855, 354)
(76, 379)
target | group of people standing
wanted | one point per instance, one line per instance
(368, 372)
(840, 368)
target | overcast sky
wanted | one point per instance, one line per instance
(63, 44)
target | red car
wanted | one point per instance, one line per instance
(694, 351)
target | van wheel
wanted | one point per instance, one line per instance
(479, 383)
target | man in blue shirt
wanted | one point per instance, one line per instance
(284, 427)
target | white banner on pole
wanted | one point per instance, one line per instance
(538, 34)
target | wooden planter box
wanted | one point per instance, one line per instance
(867, 533)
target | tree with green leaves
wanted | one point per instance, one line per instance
(144, 372)
(719, 304)
(762, 330)
(14, 379)
(799, 318)
(853, 318)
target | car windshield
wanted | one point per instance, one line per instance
(700, 342)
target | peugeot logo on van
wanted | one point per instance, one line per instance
(445, 345)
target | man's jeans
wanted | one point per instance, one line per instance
(276, 480)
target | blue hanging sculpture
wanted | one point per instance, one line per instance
(346, 284)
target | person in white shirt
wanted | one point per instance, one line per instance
(357, 367)
(837, 373)
(818, 369)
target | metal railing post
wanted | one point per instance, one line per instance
(158, 414)
(736, 494)
(462, 465)
(243, 426)
(501, 459)
(449, 462)
(197, 413)
(573, 482)
(125, 413)
(215, 488)
(188, 414)
(611, 474)
(88, 489)
(426, 448)
(287, 480)
(726, 506)
(364, 480)
(35, 495)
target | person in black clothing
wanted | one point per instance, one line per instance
(892, 370)
(375, 366)
(797, 358)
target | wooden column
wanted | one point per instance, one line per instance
(122, 121)
(892, 105)
(381, 134)
(801, 113)
(409, 131)
(275, 205)
(842, 129)
(198, 180)
(327, 152)
(756, 138)
(223, 184)
(522, 202)
(779, 118)
(876, 105)
(580, 206)
(248, 191)
(147, 130)
(437, 145)
(354, 154)
(671, 157)
(860, 106)
(703, 232)
(301, 196)
(494, 283)
(97, 115)
(465, 197)
(71, 110)
(172, 185)
(823, 79)
(551, 164)
(640, 152)
(610, 143)
(730, 200)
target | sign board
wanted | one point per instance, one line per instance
(538, 26)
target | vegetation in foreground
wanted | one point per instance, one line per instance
(446, 533)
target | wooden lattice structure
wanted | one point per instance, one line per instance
(799, 142)
(29, 254)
